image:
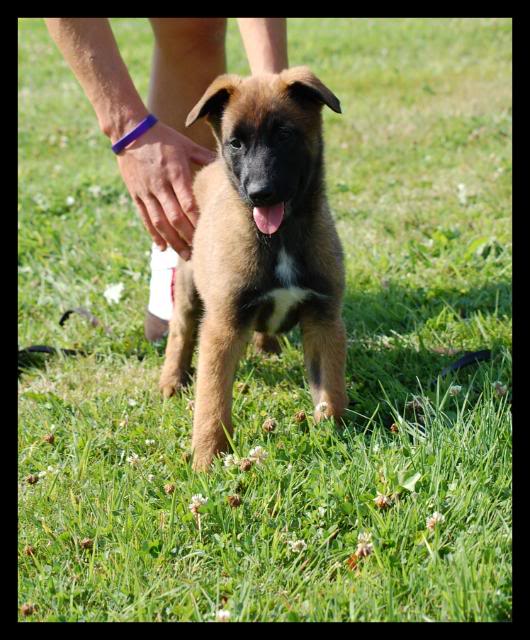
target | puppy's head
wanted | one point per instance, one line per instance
(269, 132)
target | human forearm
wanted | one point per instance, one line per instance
(89, 47)
(265, 42)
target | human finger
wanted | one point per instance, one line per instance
(184, 194)
(164, 228)
(173, 211)
(157, 238)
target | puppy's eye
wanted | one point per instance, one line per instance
(283, 134)
(235, 143)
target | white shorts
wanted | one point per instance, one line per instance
(163, 265)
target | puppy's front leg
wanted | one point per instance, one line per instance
(220, 347)
(182, 333)
(325, 359)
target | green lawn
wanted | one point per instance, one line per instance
(419, 180)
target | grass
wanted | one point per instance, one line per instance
(427, 107)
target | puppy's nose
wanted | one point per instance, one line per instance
(259, 193)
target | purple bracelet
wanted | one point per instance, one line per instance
(141, 128)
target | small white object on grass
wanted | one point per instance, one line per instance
(113, 293)
(297, 546)
(365, 546)
(434, 520)
(229, 460)
(133, 459)
(257, 455)
(462, 194)
(196, 502)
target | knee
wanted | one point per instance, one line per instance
(180, 35)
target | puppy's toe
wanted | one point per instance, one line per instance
(267, 343)
(323, 411)
(169, 386)
(202, 463)
(327, 411)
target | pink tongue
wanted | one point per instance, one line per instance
(269, 219)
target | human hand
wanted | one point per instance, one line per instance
(156, 169)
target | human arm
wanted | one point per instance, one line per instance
(265, 42)
(156, 167)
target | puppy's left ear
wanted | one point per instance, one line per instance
(303, 83)
(214, 100)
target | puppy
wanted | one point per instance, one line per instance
(266, 254)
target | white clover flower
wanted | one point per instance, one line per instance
(223, 615)
(70, 201)
(297, 546)
(149, 442)
(433, 521)
(500, 388)
(42, 474)
(454, 389)
(382, 501)
(95, 190)
(229, 460)
(134, 459)
(257, 455)
(196, 503)
(365, 546)
(132, 403)
(150, 477)
(113, 293)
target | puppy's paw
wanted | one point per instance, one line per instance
(325, 410)
(266, 343)
(169, 385)
(202, 463)
(205, 450)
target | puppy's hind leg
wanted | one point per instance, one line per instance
(182, 333)
(266, 343)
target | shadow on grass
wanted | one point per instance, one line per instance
(380, 353)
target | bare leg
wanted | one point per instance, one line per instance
(220, 348)
(325, 360)
(265, 41)
(189, 54)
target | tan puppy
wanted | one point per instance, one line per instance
(266, 254)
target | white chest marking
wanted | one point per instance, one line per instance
(283, 300)
(285, 269)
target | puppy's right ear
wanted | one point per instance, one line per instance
(214, 101)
